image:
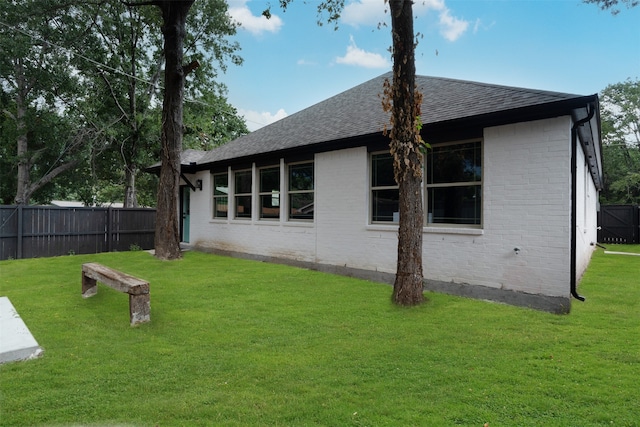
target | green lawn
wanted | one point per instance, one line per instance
(240, 343)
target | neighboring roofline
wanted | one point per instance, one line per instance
(188, 162)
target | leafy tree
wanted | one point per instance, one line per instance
(210, 24)
(34, 73)
(210, 122)
(126, 64)
(613, 5)
(122, 69)
(620, 117)
(112, 58)
(167, 238)
(7, 152)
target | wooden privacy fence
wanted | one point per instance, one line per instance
(619, 224)
(45, 231)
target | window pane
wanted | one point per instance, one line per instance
(221, 207)
(382, 171)
(301, 177)
(301, 206)
(455, 205)
(385, 205)
(270, 206)
(243, 182)
(221, 185)
(243, 206)
(269, 180)
(454, 163)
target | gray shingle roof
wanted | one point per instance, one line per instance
(190, 156)
(358, 111)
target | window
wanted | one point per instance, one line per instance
(384, 189)
(220, 195)
(301, 204)
(242, 192)
(454, 184)
(270, 193)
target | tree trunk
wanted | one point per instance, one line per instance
(130, 168)
(167, 239)
(130, 194)
(23, 192)
(406, 149)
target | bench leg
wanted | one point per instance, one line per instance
(89, 286)
(139, 308)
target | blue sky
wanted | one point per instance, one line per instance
(291, 63)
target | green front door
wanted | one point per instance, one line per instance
(185, 195)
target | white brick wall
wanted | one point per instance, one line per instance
(526, 192)
(262, 237)
(586, 216)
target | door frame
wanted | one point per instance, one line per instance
(185, 213)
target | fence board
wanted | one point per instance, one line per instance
(619, 224)
(44, 231)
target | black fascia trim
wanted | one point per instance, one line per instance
(519, 115)
(591, 147)
(305, 152)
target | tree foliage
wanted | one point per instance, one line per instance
(620, 117)
(613, 5)
(210, 122)
(34, 75)
(98, 67)
(210, 24)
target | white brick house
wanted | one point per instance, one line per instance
(510, 191)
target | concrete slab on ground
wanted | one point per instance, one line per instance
(16, 341)
(621, 253)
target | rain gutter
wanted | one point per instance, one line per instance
(574, 209)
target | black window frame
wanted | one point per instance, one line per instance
(221, 196)
(303, 208)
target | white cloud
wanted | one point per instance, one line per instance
(255, 120)
(374, 12)
(364, 12)
(476, 26)
(479, 25)
(256, 25)
(451, 27)
(361, 58)
(306, 62)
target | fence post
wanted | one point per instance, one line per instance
(19, 234)
(109, 229)
(637, 224)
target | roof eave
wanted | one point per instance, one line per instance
(522, 114)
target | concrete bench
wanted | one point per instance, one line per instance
(138, 289)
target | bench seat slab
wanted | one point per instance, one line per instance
(115, 279)
(138, 289)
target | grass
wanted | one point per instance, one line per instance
(236, 343)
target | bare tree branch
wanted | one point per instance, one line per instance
(143, 3)
(113, 95)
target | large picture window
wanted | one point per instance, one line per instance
(301, 203)
(270, 193)
(242, 194)
(220, 195)
(384, 189)
(454, 184)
